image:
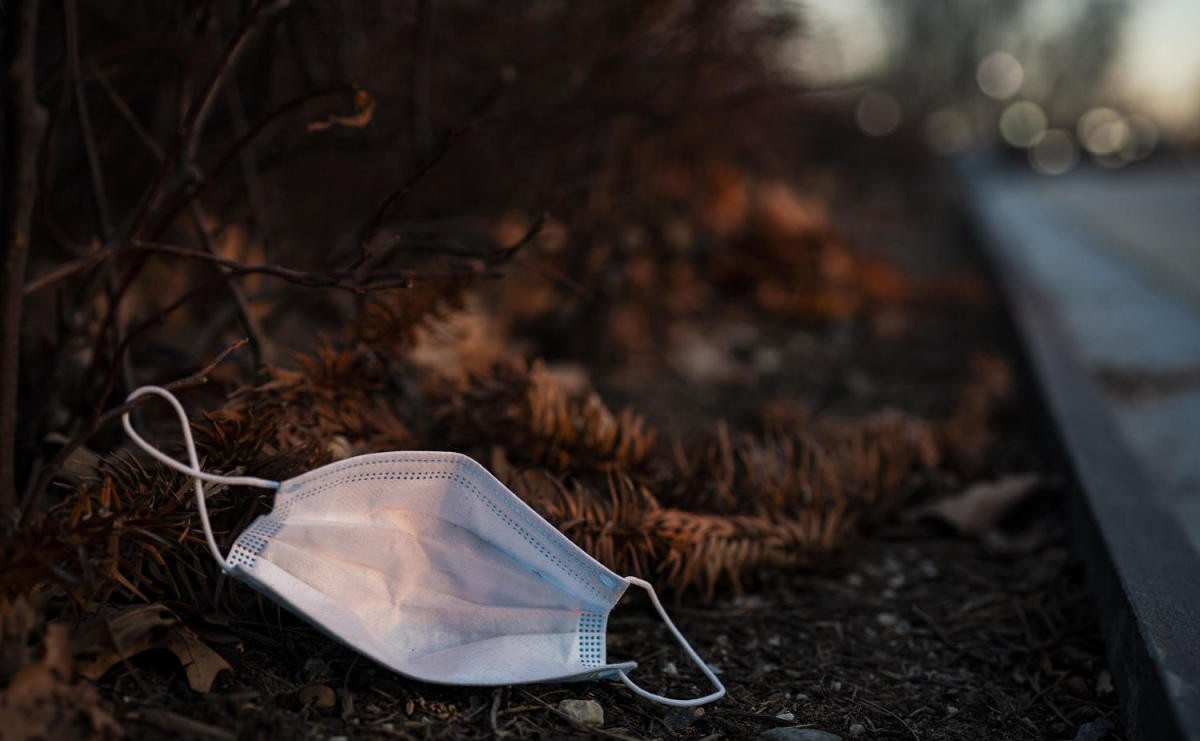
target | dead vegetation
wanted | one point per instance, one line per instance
(429, 254)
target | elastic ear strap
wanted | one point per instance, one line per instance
(194, 469)
(687, 648)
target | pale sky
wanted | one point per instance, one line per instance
(1157, 70)
(1159, 64)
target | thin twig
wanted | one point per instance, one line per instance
(98, 421)
(24, 123)
(364, 245)
(236, 148)
(99, 192)
(473, 120)
(182, 153)
(421, 130)
(178, 725)
(903, 722)
(249, 166)
(249, 324)
(128, 114)
(188, 136)
(493, 719)
(351, 281)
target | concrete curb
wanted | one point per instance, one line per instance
(1143, 569)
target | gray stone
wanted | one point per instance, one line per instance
(587, 712)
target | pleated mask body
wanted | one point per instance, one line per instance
(429, 565)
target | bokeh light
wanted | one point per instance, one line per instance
(1023, 124)
(878, 114)
(1000, 75)
(1055, 153)
(1143, 138)
(1103, 131)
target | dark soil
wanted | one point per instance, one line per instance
(913, 635)
(914, 632)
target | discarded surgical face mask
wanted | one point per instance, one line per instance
(429, 565)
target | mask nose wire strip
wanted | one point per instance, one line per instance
(708, 673)
(194, 469)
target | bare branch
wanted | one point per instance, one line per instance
(420, 127)
(473, 119)
(98, 420)
(187, 138)
(24, 122)
(236, 148)
(255, 333)
(99, 192)
(128, 114)
(352, 281)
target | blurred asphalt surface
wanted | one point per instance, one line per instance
(1117, 256)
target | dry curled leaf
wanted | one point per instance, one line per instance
(200, 663)
(46, 701)
(102, 643)
(982, 505)
(366, 111)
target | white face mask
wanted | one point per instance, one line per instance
(429, 565)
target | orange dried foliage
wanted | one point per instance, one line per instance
(539, 420)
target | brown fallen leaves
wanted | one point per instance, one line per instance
(364, 106)
(42, 695)
(979, 507)
(46, 687)
(106, 641)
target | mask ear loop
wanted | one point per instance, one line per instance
(704, 668)
(194, 469)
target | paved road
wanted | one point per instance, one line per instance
(1150, 218)
(1118, 257)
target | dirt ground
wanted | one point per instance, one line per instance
(913, 635)
(917, 631)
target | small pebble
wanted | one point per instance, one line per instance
(317, 696)
(836, 685)
(785, 715)
(951, 711)
(857, 729)
(798, 734)
(886, 619)
(1094, 731)
(587, 712)
(670, 669)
